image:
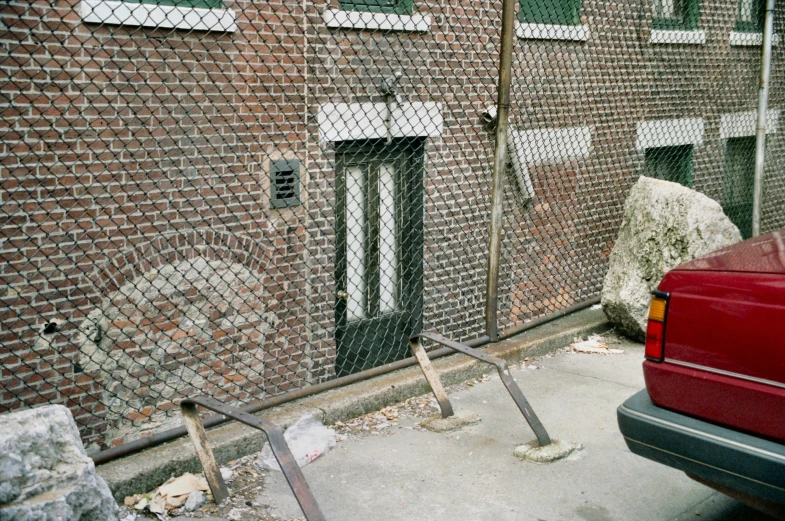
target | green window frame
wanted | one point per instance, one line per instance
(403, 7)
(739, 182)
(670, 164)
(750, 16)
(552, 12)
(202, 4)
(676, 14)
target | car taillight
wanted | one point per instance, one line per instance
(655, 332)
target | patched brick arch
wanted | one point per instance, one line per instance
(186, 312)
(168, 248)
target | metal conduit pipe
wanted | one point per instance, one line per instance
(160, 438)
(763, 102)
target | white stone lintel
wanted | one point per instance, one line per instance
(745, 124)
(529, 31)
(337, 18)
(550, 144)
(675, 36)
(114, 12)
(356, 121)
(544, 145)
(740, 39)
(669, 133)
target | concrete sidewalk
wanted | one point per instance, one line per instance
(406, 473)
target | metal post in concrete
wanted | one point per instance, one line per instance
(499, 165)
(763, 102)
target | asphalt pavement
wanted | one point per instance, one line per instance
(404, 472)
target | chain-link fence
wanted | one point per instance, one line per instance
(248, 198)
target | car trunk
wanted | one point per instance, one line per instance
(724, 348)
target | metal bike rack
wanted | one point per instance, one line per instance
(283, 455)
(501, 366)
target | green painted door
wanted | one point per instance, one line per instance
(739, 183)
(379, 258)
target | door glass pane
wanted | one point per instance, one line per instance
(745, 11)
(355, 243)
(668, 8)
(388, 252)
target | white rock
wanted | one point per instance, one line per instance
(45, 473)
(665, 224)
(227, 474)
(196, 499)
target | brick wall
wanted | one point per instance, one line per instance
(142, 259)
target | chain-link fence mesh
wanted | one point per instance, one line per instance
(247, 198)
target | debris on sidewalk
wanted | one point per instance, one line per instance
(243, 478)
(307, 438)
(594, 344)
(172, 495)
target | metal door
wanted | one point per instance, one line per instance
(379, 264)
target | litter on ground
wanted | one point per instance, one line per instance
(595, 344)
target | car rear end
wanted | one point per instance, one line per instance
(714, 404)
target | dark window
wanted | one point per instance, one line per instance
(379, 6)
(750, 16)
(739, 183)
(555, 12)
(284, 183)
(204, 4)
(676, 14)
(670, 164)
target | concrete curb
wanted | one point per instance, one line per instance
(144, 471)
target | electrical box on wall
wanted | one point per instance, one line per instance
(284, 183)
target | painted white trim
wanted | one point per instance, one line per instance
(744, 124)
(115, 12)
(528, 31)
(740, 39)
(669, 133)
(695, 37)
(549, 144)
(352, 121)
(337, 18)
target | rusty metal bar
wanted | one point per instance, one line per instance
(499, 164)
(166, 436)
(204, 452)
(501, 366)
(280, 449)
(430, 375)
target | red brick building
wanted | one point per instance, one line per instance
(245, 198)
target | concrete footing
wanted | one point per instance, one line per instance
(454, 422)
(533, 452)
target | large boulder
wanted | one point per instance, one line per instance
(665, 224)
(45, 473)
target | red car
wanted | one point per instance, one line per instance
(714, 403)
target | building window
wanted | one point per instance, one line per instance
(551, 12)
(739, 183)
(670, 164)
(203, 4)
(403, 7)
(750, 17)
(676, 14)
(193, 15)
